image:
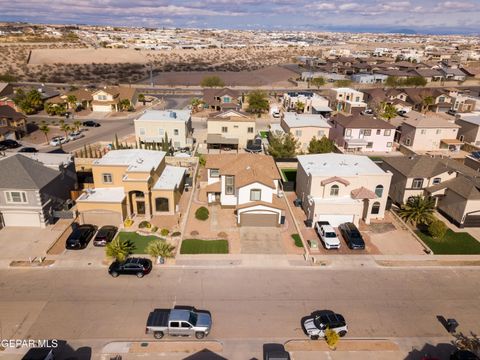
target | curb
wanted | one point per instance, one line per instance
(360, 344)
(165, 346)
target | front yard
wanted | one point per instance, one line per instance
(453, 243)
(197, 246)
(139, 241)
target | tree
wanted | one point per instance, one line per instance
(321, 146)
(30, 102)
(392, 81)
(257, 102)
(212, 81)
(77, 125)
(331, 337)
(45, 129)
(343, 83)
(196, 103)
(437, 229)
(388, 112)
(160, 249)
(418, 210)
(72, 101)
(118, 249)
(166, 143)
(124, 105)
(465, 342)
(299, 107)
(283, 146)
(318, 81)
(415, 81)
(64, 127)
(141, 97)
(427, 101)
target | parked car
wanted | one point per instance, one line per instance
(452, 112)
(178, 322)
(277, 355)
(28, 150)
(352, 236)
(104, 235)
(90, 123)
(10, 144)
(367, 112)
(80, 237)
(463, 355)
(132, 266)
(58, 140)
(75, 135)
(327, 234)
(402, 112)
(320, 321)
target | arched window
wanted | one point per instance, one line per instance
(379, 190)
(375, 208)
(334, 190)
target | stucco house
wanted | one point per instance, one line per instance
(222, 99)
(341, 188)
(131, 183)
(304, 127)
(346, 99)
(312, 103)
(13, 124)
(84, 99)
(230, 128)
(109, 98)
(249, 184)
(153, 125)
(469, 130)
(362, 133)
(32, 186)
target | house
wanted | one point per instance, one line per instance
(13, 124)
(341, 188)
(346, 99)
(465, 103)
(249, 184)
(304, 127)
(426, 132)
(452, 184)
(154, 126)
(6, 94)
(32, 186)
(469, 130)
(369, 78)
(131, 183)
(83, 98)
(312, 103)
(362, 133)
(110, 97)
(222, 99)
(430, 75)
(229, 128)
(440, 99)
(454, 74)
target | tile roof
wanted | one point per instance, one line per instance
(7, 112)
(363, 193)
(419, 120)
(276, 203)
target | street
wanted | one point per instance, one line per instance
(89, 307)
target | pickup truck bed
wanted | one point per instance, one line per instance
(158, 318)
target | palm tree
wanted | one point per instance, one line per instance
(160, 249)
(389, 112)
(118, 249)
(141, 98)
(65, 128)
(72, 101)
(45, 129)
(418, 210)
(426, 102)
(76, 125)
(300, 107)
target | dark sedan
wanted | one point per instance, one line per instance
(104, 235)
(10, 144)
(352, 236)
(80, 237)
(28, 150)
(90, 123)
(132, 266)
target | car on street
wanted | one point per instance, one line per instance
(58, 140)
(327, 234)
(131, 266)
(352, 236)
(319, 321)
(10, 144)
(28, 150)
(75, 135)
(91, 123)
(277, 355)
(80, 237)
(105, 235)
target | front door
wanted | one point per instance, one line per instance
(141, 207)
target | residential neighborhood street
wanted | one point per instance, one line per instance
(90, 308)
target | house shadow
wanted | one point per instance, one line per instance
(204, 354)
(440, 351)
(273, 349)
(62, 352)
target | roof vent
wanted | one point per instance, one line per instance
(173, 114)
(139, 161)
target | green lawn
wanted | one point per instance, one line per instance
(140, 241)
(264, 134)
(195, 246)
(298, 241)
(289, 174)
(376, 158)
(453, 243)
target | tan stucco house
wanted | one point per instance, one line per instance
(469, 131)
(341, 188)
(230, 128)
(13, 124)
(304, 127)
(131, 183)
(109, 98)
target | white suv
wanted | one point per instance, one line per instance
(316, 325)
(327, 235)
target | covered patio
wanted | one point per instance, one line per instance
(218, 141)
(451, 144)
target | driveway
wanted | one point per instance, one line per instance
(261, 240)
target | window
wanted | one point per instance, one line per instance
(161, 204)
(439, 131)
(367, 132)
(215, 173)
(298, 132)
(369, 145)
(102, 97)
(423, 131)
(387, 132)
(229, 185)
(357, 99)
(407, 141)
(224, 129)
(142, 131)
(321, 133)
(379, 190)
(250, 130)
(375, 208)
(175, 131)
(17, 197)
(235, 126)
(175, 324)
(389, 144)
(417, 183)
(186, 325)
(436, 181)
(441, 99)
(379, 131)
(348, 132)
(226, 99)
(334, 190)
(255, 195)
(107, 178)
(161, 132)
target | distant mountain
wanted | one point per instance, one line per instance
(402, 31)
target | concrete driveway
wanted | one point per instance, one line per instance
(261, 240)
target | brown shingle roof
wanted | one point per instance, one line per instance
(359, 121)
(7, 112)
(467, 188)
(209, 95)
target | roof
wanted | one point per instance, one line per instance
(338, 165)
(276, 203)
(9, 113)
(108, 195)
(294, 120)
(171, 178)
(23, 173)
(3, 86)
(419, 120)
(137, 160)
(247, 168)
(214, 187)
(165, 115)
(363, 193)
(220, 139)
(428, 72)
(119, 92)
(359, 121)
(466, 187)
(209, 95)
(471, 118)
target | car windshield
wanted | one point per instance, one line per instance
(318, 323)
(330, 235)
(193, 318)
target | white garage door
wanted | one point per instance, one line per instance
(102, 108)
(336, 220)
(21, 219)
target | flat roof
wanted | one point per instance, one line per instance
(302, 120)
(109, 195)
(137, 160)
(171, 178)
(473, 118)
(165, 115)
(333, 164)
(220, 139)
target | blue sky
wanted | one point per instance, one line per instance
(368, 15)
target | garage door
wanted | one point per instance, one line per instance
(252, 219)
(101, 218)
(21, 219)
(336, 220)
(472, 221)
(102, 108)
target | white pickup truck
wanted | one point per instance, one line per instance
(178, 322)
(327, 235)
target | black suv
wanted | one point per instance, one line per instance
(131, 266)
(90, 123)
(104, 235)
(352, 236)
(80, 237)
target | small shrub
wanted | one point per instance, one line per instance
(176, 233)
(164, 232)
(331, 337)
(144, 225)
(222, 235)
(194, 233)
(201, 160)
(154, 229)
(437, 229)
(298, 241)
(127, 223)
(202, 213)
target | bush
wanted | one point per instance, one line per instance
(164, 232)
(154, 229)
(331, 337)
(437, 229)
(176, 233)
(194, 233)
(222, 235)
(144, 224)
(298, 241)
(202, 213)
(127, 223)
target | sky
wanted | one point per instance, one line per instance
(422, 16)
